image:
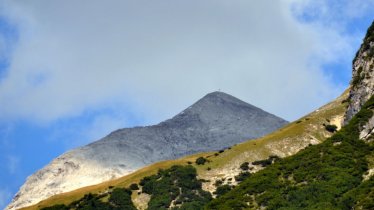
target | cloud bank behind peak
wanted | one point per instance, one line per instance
(159, 57)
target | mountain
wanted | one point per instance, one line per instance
(312, 163)
(215, 122)
(225, 164)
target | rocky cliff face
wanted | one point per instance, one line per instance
(214, 122)
(362, 83)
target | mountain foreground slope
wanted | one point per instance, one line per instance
(215, 122)
(332, 175)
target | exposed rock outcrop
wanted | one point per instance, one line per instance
(362, 83)
(214, 122)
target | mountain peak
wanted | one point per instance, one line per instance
(216, 121)
(221, 96)
(220, 100)
(217, 94)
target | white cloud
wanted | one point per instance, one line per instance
(158, 57)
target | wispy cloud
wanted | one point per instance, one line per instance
(13, 163)
(5, 130)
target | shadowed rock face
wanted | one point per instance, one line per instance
(216, 121)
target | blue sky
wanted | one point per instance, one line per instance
(72, 72)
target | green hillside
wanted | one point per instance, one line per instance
(325, 176)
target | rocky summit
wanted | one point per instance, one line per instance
(215, 122)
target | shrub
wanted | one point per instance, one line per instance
(242, 176)
(263, 163)
(177, 182)
(201, 161)
(134, 186)
(331, 128)
(356, 79)
(244, 166)
(218, 183)
(222, 190)
(121, 198)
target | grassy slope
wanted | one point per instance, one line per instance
(324, 176)
(66, 198)
(284, 142)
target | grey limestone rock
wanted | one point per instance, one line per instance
(215, 122)
(362, 83)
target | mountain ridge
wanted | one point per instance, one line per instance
(214, 122)
(284, 142)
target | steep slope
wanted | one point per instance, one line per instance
(330, 175)
(287, 141)
(216, 121)
(283, 142)
(362, 83)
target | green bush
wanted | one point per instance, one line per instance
(242, 176)
(358, 78)
(201, 161)
(121, 199)
(244, 166)
(331, 128)
(221, 190)
(177, 182)
(272, 159)
(134, 186)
